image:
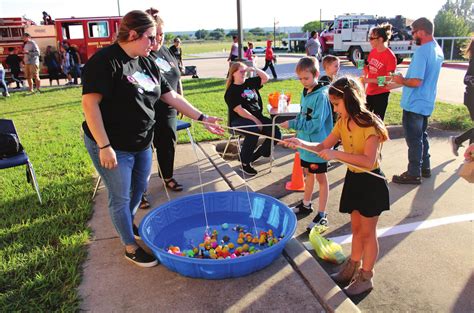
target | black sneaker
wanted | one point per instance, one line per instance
(249, 170)
(300, 208)
(406, 178)
(426, 173)
(135, 232)
(319, 220)
(141, 258)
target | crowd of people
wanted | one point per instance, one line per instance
(132, 93)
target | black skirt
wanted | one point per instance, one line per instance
(364, 193)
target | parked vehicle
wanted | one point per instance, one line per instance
(259, 50)
(87, 35)
(349, 35)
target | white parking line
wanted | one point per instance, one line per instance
(404, 228)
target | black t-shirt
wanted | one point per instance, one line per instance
(13, 61)
(168, 66)
(246, 95)
(129, 88)
(177, 52)
(325, 80)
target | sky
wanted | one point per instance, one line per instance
(191, 15)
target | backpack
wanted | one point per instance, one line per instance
(9, 145)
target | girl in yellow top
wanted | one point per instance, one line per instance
(364, 196)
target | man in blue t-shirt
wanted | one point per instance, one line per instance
(418, 99)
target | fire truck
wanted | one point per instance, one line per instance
(87, 35)
(349, 35)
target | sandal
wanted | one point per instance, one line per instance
(144, 204)
(173, 185)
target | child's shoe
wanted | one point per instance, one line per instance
(347, 272)
(362, 283)
(321, 219)
(300, 208)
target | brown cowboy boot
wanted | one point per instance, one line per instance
(347, 272)
(362, 283)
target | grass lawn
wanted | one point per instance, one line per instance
(211, 46)
(42, 247)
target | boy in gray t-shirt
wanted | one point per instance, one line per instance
(31, 60)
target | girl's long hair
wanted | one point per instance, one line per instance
(469, 50)
(353, 96)
(233, 68)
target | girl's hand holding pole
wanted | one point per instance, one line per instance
(327, 154)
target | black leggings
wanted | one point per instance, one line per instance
(165, 138)
(269, 63)
(248, 152)
(378, 104)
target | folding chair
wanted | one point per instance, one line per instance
(233, 135)
(180, 125)
(7, 126)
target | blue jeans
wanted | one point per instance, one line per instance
(3, 84)
(416, 137)
(126, 184)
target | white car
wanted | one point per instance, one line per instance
(259, 50)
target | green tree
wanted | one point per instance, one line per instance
(169, 37)
(257, 31)
(232, 32)
(217, 34)
(448, 24)
(310, 26)
(201, 34)
(460, 8)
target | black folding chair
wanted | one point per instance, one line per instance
(7, 126)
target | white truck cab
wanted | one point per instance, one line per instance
(349, 35)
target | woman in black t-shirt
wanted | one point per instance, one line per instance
(245, 109)
(120, 87)
(165, 137)
(176, 50)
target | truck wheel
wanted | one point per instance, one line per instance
(399, 60)
(356, 53)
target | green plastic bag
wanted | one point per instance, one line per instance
(326, 249)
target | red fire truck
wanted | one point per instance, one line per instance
(87, 34)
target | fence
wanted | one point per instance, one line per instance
(452, 46)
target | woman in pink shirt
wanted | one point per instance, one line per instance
(381, 62)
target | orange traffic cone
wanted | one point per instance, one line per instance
(297, 178)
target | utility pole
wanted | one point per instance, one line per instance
(274, 31)
(320, 20)
(118, 5)
(239, 27)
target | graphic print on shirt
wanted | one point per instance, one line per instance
(163, 65)
(309, 114)
(249, 95)
(143, 80)
(375, 65)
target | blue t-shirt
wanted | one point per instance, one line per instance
(425, 65)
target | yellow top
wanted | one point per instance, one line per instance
(353, 140)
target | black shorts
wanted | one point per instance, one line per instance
(315, 168)
(364, 193)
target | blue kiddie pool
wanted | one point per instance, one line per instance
(182, 223)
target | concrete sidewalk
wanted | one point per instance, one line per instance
(293, 282)
(418, 269)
